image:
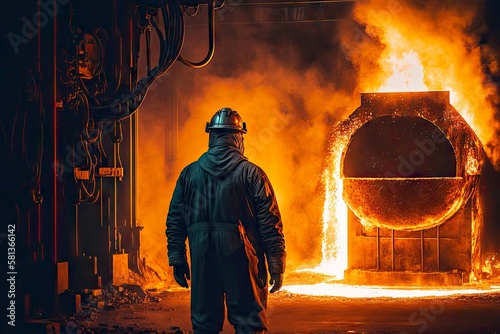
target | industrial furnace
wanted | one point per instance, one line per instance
(410, 173)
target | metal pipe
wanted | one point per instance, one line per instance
(132, 168)
(77, 253)
(148, 50)
(437, 251)
(211, 41)
(392, 249)
(55, 142)
(422, 248)
(294, 3)
(101, 216)
(268, 22)
(109, 224)
(378, 248)
(115, 201)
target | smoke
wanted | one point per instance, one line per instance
(290, 91)
(289, 109)
(448, 38)
(458, 45)
(288, 125)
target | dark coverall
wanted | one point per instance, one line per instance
(226, 207)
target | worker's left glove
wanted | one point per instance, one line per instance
(181, 273)
(276, 281)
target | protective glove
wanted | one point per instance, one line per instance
(181, 272)
(276, 281)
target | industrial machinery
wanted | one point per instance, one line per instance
(410, 174)
(74, 81)
(75, 72)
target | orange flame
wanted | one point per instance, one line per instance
(407, 73)
(406, 64)
(411, 59)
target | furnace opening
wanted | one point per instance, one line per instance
(399, 146)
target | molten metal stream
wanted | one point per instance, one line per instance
(334, 238)
(357, 291)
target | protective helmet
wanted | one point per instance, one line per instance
(226, 119)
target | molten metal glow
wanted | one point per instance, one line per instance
(491, 265)
(356, 291)
(404, 71)
(407, 73)
(334, 242)
(334, 238)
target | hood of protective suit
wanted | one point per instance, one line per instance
(225, 152)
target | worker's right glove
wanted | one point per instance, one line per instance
(181, 273)
(276, 281)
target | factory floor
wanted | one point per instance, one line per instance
(291, 313)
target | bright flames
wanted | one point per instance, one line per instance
(405, 73)
(334, 238)
(334, 242)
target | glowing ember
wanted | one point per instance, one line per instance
(472, 165)
(491, 266)
(407, 73)
(356, 291)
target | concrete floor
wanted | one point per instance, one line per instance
(289, 313)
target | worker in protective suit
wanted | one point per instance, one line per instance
(226, 207)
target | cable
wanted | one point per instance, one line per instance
(100, 145)
(85, 132)
(278, 3)
(169, 52)
(148, 50)
(118, 155)
(12, 141)
(101, 50)
(83, 85)
(211, 41)
(64, 186)
(117, 132)
(196, 10)
(41, 142)
(118, 73)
